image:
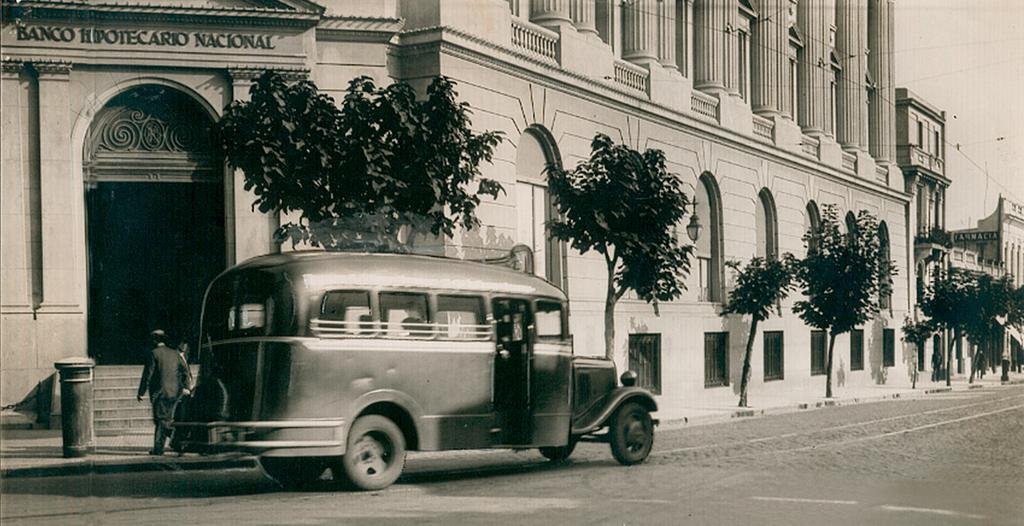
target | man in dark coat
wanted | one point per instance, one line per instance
(166, 377)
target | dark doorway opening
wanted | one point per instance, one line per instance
(153, 248)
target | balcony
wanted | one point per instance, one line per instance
(932, 244)
(914, 155)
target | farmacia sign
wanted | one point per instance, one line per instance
(143, 37)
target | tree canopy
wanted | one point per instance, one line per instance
(625, 205)
(377, 162)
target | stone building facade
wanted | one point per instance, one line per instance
(116, 207)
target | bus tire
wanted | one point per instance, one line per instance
(293, 472)
(375, 455)
(559, 453)
(631, 432)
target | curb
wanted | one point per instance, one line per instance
(90, 467)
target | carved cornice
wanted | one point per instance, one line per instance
(358, 29)
(174, 14)
(12, 68)
(52, 68)
(249, 73)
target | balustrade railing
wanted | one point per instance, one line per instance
(704, 105)
(534, 39)
(763, 127)
(809, 145)
(882, 174)
(631, 75)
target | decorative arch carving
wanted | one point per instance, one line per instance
(151, 132)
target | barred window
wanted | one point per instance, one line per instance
(773, 356)
(818, 351)
(888, 347)
(716, 359)
(645, 360)
(857, 350)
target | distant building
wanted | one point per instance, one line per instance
(117, 209)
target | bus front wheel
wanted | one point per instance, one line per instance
(375, 455)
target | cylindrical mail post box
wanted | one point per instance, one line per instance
(76, 405)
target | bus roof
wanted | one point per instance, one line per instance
(321, 270)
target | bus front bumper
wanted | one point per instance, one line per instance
(313, 437)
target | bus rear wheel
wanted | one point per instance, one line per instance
(631, 433)
(292, 472)
(375, 455)
(559, 453)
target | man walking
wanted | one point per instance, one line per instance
(166, 377)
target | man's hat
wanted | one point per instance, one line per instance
(158, 333)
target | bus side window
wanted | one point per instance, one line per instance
(548, 319)
(404, 315)
(461, 318)
(347, 312)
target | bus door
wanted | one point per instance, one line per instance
(512, 369)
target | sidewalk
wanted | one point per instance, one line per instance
(37, 452)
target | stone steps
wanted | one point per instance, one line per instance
(115, 408)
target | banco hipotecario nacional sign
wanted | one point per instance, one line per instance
(143, 37)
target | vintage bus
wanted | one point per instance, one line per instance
(316, 360)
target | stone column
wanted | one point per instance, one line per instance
(769, 71)
(15, 213)
(550, 13)
(709, 21)
(813, 19)
(582, 13)
(252, 231)
(667, 21)
(640, 31)
(883, 109)
(851, 86)
(58, 191)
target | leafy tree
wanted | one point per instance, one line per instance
(361, 171)
(760, 286)
(917, 332)
(625, 205)
(988, 300)
(841, 278)
(945, 303)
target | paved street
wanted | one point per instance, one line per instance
(953, 458)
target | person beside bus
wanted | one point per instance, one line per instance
(166, 377)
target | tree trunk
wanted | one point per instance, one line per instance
(828, 365)
(745, 378)
(609, 313)
(917, 353)
(974, 360)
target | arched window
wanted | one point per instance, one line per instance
(709, 244)
(812, 223)
(885, 300)
(534, 206)
(767, 226)
(851, 227)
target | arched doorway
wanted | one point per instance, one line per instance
(155, 220)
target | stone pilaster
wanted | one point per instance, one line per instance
(15, 193)
(253, 230)
(59, 193)
(667, 21)
(550, 13)
(813, 19)
(710, 62)
(862, 65)
(640, 31)
(850, 48)
(883, 109)
(731, 45)
(582, 13)
(769, 74)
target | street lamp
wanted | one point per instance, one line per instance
(693, 228)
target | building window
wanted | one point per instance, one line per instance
(920, 134)
(888, 347)
(774, 352)
(645, 360)
(833, 116)
(716, 359)
(818, 352)
(938, 143)
(857, 350)
(534, 205)
(885, 298)
(812, 223)
(603, 19)
(766, 226)
(708, 248)
(794, 90)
